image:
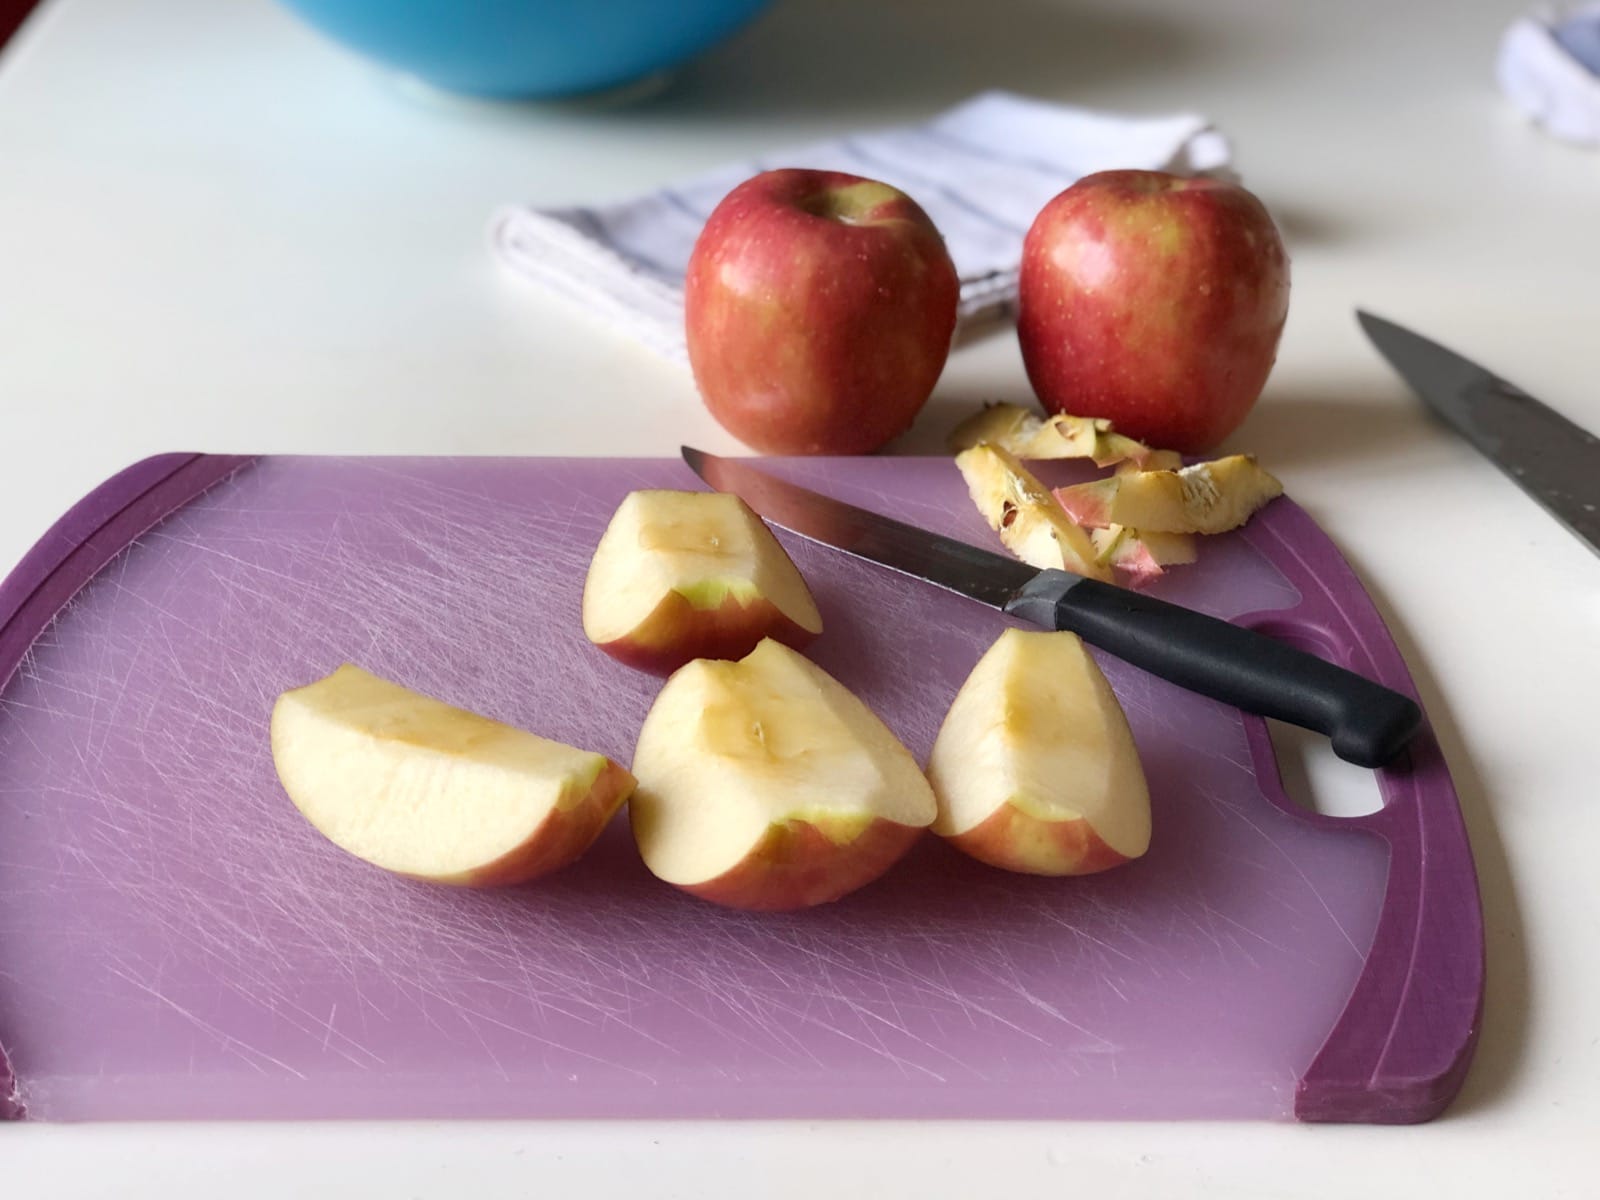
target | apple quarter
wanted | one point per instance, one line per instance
(684, 575)
(766, 784)
(1035, 768)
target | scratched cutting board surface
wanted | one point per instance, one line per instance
(176, 941)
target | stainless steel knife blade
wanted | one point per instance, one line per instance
(1554, 460)
(967, 570)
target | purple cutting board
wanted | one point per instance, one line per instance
(175, 941)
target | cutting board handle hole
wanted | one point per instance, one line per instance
(1319, 781)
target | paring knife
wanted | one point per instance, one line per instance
(1553, 460)
(1368, 723)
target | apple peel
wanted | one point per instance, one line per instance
(1026, 435)
(1141, 557)
(1156, 460)
(1208, 497)
(1031, 524)
(801, 864)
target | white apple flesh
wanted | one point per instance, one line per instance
(685, 575)
(421, 788)
(1035, 768)
(766, 784)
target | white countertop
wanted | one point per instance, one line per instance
(219, 233)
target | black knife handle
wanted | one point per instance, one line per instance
(1367, 723)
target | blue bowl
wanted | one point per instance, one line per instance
(516, 48)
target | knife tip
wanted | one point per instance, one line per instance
(1373, 323)
(698, 460)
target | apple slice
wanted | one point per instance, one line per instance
(415, 786)
(1020, 508)
(1029, 436)
(1209, 497)
(1034, 768)
(765, 784)
(1139, 556)
(684, 575)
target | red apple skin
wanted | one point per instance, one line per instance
(560, 839)
(1154, 301)
(797, 865)
(819, 308)
(1087, 508)
(677, 632)
(1013, 840)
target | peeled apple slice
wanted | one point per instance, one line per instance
(1209, 497)
(1035, 769)
(683, 575)
(418, 787)
(1031, 524)
(766, 784)
(1028, 436)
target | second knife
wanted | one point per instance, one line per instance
(1554, 460)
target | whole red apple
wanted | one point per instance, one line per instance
(819, 311)
(1154, 301)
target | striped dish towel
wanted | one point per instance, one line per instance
(982, 171)
(1549, 64)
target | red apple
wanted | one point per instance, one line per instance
(1154, 301)
(819, 310)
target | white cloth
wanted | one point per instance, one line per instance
(1549, 64)
(982, 171)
